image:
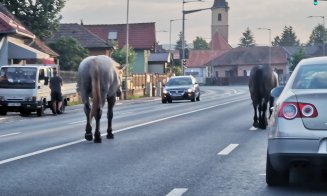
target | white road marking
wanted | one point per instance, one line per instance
(10, 134)
(177, 192)
(77, 122)
(120, 130)
(228, 149)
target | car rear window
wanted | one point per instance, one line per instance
(311, 77)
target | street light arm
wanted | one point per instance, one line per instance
(192, 11)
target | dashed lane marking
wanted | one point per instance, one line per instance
(177, 192)
(228, 149)
(10, 134)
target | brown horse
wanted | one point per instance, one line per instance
(262, 80)
(98, 79)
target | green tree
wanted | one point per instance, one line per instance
(288, 38)
(42, 17)
(71, 53)
(318, 35)
(247, 40)
(200, 44)
(119, 55)
(179, 42)
(296, 58)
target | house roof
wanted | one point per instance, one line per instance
(141, 35)
(85, 37)
(219, 43)
(309, 51)
(11, 26)
(200, 58)
(251, 56)
(39, 45)
(160, 57)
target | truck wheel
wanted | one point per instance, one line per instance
(40, 111)
(3, 112)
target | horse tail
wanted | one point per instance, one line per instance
(96, 90)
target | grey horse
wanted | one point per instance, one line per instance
(98, 79)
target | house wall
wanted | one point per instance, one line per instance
(156, 68)
(95, 52)
(200, 74)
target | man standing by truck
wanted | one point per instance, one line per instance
(56, 95)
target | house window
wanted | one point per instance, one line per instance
(113, 35)
(219, 17)
(217, 74)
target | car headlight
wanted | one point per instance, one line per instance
(165, 91)
(189, 90)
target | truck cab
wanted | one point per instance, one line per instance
(25, 88)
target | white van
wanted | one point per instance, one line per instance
(25, 89)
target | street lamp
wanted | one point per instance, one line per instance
(127, 51)
(269, 45)
(323, 35)
(183, 29)
(170, 32)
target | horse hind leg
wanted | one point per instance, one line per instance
(110, 114)
(88, 129)
(255, 117)
(97, 134)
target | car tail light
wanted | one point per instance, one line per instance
(291, 110)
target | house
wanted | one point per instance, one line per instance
(141, 38)
(237, 62)
(160, 62)
(18, 45)
(197, 63)
(86, 38)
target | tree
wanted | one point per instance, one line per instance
(119, 55)
(179, 42)
(247, 40)
(288, 38)
(200, 44)
(42, 17)
(71, 52)
(318, 35)
(296, 58)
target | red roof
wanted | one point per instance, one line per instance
(8, 26)
(200, 58)
(219, 43)
(141, 35)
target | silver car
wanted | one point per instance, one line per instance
(298, 130)
(181, 88)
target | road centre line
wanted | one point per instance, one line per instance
(10, 134)
(228, 149)
(120, 130)
(177, 192)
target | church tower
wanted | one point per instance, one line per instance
(219, 21)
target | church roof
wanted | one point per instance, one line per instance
(219, 43)
(220, 4)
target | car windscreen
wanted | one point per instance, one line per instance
(311, 77)
(18, 77)
(179, 81)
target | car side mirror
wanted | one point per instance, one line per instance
(275, 92)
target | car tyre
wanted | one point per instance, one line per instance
(164, 100)
(275, 178)
(40, 111)
(3, 112)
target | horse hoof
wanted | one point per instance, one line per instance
(88, 136)
(97, 140)
(255, 124)
(110, 136)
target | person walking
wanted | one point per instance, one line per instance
(56, 95)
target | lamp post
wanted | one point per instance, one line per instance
(170, 32)
(269, 45)
(323, 35)
(127, 51)
(183, 30)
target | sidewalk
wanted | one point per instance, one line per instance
(139, 100)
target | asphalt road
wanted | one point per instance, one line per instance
(183, 148)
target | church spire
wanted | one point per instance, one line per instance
(220, 4)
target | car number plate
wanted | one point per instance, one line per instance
(14, 104)
(175, 94)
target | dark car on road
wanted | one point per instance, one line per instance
(181, 88)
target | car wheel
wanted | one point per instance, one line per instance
(3, 112)
(164, 100)
(40, 111)
(273, 177)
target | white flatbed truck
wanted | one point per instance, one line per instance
(25, 89)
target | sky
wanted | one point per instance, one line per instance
(273, 14)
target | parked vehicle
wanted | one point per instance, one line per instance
(298, 130)
(181, 88)
(25, 89)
